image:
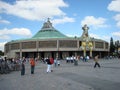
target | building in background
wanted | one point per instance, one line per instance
(50, 42)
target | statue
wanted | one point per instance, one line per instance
(47, 24)
(85, 32)
(86, 43)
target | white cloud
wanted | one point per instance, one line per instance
(5, 33)
(117, 34)
(106, 38)
(63, 20)
(4, 21)
(72, 35)
(117, 18)
(118, 24)
(6, 37)
(94, 36)
(2, 45)
(34, 9)
(94, 22)
(114, 6)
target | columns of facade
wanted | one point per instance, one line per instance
(20, 49)
(84, 52)
(90, 53)
(9, 51)
(93, 44)
(91, 49)
(104, 45)
(78, 45)
(75, 54)
(37, 48)
(57, 53)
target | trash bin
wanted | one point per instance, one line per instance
(75, 62)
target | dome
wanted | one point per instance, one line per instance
(48, 31)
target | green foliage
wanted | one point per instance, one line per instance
(1, 53)
(112, 46)
(117, 45)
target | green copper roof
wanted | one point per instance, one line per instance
(48, 31)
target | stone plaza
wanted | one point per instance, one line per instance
(66, 77)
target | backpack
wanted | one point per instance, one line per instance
(32, 62)
(51, 60)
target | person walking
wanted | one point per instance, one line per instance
(32, 63)
(48, 65)
(58, 62)
(55, 62)
(96, 61)
(22, 68)
(52, 62)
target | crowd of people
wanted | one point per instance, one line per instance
(8, 65)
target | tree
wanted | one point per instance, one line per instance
(1, 53)
(112, 46)
(117, 45)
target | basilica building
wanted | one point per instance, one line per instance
(50, 42)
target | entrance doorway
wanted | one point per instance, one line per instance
(42, 54)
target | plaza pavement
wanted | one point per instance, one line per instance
(66, 77)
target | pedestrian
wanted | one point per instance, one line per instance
(32, 63)
(96, 61)
(52, 62)
(58, 62)
(48, 65)
(84, 59)
(22, 68)
(76, 61)
(55, 62)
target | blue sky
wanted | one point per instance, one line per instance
(24, 18)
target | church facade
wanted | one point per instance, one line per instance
(50, 42)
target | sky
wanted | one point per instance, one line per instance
(24, 18)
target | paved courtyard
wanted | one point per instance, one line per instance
(66, 77)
